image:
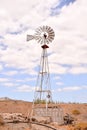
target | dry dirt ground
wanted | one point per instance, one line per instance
(15, 106)
(18, 106)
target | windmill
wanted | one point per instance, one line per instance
(43, 95)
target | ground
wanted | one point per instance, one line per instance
(77, 110)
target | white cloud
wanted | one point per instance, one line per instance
(68, 89)
(20, 59)
(59, 83)
(30, 13)
(11, 73)
(85, 87)
(69, 46)
(26, 79)
(8, 84)
(1, 67)
(57, 77)
(78, 69)
(19, 80)
(25, 88)
(55, 68)
(31, 79)
(4, 79)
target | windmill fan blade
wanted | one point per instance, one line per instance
(30, 37)
(44, 34)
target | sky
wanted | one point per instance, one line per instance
(67, 54)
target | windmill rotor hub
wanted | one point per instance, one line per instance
(44, 35)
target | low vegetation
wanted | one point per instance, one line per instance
(38, 101)
(1, 121)
(81, 126)
(76, 112)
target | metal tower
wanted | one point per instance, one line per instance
(44, 35)
(43, 93)
(43, 96)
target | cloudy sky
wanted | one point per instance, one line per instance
(67, 54)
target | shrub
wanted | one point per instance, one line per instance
(81, 126)
(40, 101)
(75, 112)
(1, 120)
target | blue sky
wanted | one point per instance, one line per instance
(61, 3)
(67, 53)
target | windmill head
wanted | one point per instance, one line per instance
(43, 35)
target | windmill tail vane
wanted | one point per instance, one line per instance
(30, 37)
